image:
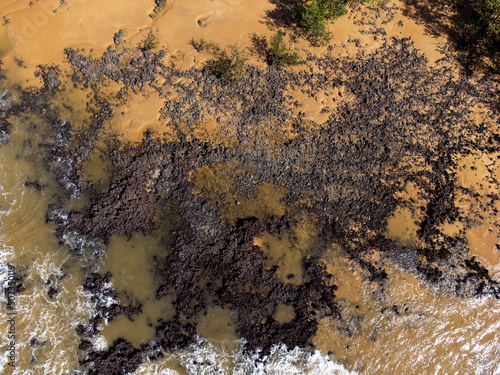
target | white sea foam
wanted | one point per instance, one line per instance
(100, 343)
(89, 248)
(51, 322)
(5, 100)
(6, 252)
(206, 358)
(66, 179)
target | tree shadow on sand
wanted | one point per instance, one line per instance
(260, 45)
(451, 19)
(283, 16)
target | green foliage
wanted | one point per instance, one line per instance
(491, 8)
(372, 4)
(205, 46)
(485, 29)
(312, 21)
(333, 8)
(151, 41)
(312, 17)
(279, 54)
(232, 66)
(382, 3)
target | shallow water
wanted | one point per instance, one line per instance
(420, 330)
(29, 244)
(404, 327)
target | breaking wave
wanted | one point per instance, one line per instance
(208, 358)
(46, 341)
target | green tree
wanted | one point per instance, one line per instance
(232, 66)
(203, 45)
(279, 54)
(312, 17)
(485, 29)
(151, 41)
(333, 9)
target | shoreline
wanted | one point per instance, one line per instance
(246, 193)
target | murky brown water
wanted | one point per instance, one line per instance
(427, 332)
(419, 331)
(31, 245)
